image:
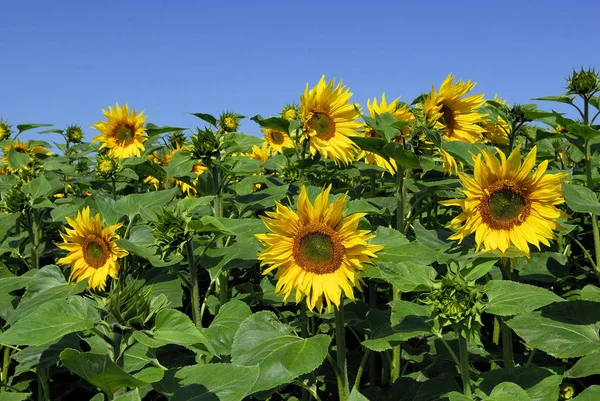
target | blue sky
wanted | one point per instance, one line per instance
(64, 61)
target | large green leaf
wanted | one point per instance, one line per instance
(102, 372)
(408, 277)
(506, 298)
(539, 384)
(591, 393)
(181, 165)
(146, 204)
(508, 391)
(586, 366)
(355, 395)
(277, 123)
(227, 322)
(214, 382)
(44, 356)
(17, 160)
(563, 329)
(172, 327)
(46, 285)
(50, 322)
(581, 199)
(8, 396)
(281, 355)
(38, 187)
(396, 248)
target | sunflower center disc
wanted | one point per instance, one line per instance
(95, 251)
(448, 117)
(125, 134)
(323, 125)
(505, 204)
(277, 137)
(316, 248)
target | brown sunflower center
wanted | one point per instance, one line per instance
(370, 133)
(95, 251)
(317, 249)
(448, 117)
(505, 204)
(277, 137)
(125, 134)
(323, 125)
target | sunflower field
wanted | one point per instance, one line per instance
(446, 248)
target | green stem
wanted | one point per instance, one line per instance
(507, 346)
(590, 185)
(340, 341)
(531, 356)
(304, 334)
(464, 364)
(34, 237)
(361, 369)
(397, 349)
(373, 306)
(450, 350)
(5, 366)
(43, 385)
(114, 188)
(224, 274)
(495, 339)
(194, 286)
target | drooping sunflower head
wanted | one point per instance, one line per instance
(506, 204)
(277, 140)
(290, 111)
(315, 250)
(453, 113)
(5, 130)
(74, 134)
(93, 252)
(123, 132)
(328, 119)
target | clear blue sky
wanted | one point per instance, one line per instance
(64, 61)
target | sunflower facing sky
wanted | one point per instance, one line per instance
(453, 113)
(329, 120)
(506, 204)
(402, 113)
(93, 252)
(123, 134)
(316, 251)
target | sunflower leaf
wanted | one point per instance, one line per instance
(581, 199)
(17, 160)
(281, 355)
(506, 298)
(227, 322)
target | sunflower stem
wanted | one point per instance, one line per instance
(464, 364)
(43, 385)
(590, 185)
(495, 339)
(361, 369)
(507, 346)
(114, 188)
(5, 366)
(340, 344)
(194, 286)
(224, 274)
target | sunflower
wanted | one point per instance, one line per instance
(261, 153)
(123, 134)
(329, 120)
(277, 140)
(23, 148)
(316, 251)
(402, 113)
(506, 204)
(453, 113)
(449, 163)
(93, 252)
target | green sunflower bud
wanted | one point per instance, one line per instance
(176, 139)
(82, 166)
(290, 173)
(172, 231)
(457, 303)
(518, 114)
(290, 111)
(584, 83)
(15, 200)
(567, 391)
(229, 122)
(107, 166)
(128, 305)
(5, 130)
(205, 145)
(74, 134)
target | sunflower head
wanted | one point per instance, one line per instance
(5, 130)
(453, 113)
(584, 82)
(172, 231)
(261, 153)
(567, 391)
(15, 200)
(229, 122)
(123, 133)
(277, 140)
(107, 166)
(328, 120)
(506, 204)
(74, 134)
(290, 111)
(205, 145)
(129, 305)
(82, 166)
(93, 252)
(315, 250)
